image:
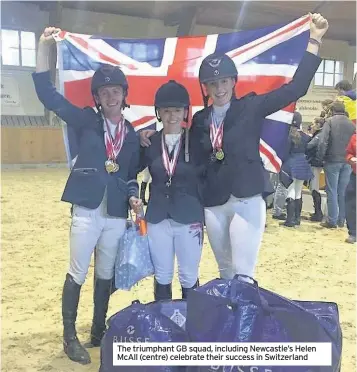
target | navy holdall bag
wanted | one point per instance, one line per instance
(238, 310)
(160, 321)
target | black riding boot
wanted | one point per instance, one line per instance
(142, 192)
(290, 213)
(162, 291)
(298, 208)
(185, 291)
(318, 215)
(102, 292)
(71, 345)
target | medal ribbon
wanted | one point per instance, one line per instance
(216, 134)
(170, 165)
(113, 146)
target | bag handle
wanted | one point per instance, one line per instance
(139, 221)
(261, 301)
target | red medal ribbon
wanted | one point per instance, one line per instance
(216, 134)
(170, 165)
(114, 145)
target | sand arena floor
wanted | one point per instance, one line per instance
(309, 263)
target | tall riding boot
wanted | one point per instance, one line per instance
(318, 215)
(142, 192)
(71, 345)
(102, 292)
(298, 208)
(185, 291)
(290, 213)
(162, 291)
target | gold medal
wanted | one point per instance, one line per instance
(220, 155)
(111, 166)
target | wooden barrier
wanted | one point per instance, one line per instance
(32, 145)
(42, 145)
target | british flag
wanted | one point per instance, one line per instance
(266, 59)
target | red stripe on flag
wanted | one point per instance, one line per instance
(142, 120)
(188, 50)
(86, 45)
(303, 21)
(270, 156)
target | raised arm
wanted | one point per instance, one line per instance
(45, 90)
(299, 85)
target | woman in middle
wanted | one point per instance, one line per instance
(175, 212)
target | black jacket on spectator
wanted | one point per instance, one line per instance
(296, 165)
(241, 173)
(334, 138)
(311, 150)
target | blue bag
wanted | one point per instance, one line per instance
(161, 321)
(133, 262)
(238, 311)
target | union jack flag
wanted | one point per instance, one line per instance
(266, 59)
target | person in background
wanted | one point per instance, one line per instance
(334, 138)
(326, 108)
(347, 96)
(350, 198)
(298, 169)
(316, 166)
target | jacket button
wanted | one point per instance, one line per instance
(167, 196)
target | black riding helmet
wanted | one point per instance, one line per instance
(214, 67)
(171, 94)
(107, 75)
(217, 66)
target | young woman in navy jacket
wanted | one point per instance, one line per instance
(228, 133)
(175, 211)
(101, 183)
(297, 168)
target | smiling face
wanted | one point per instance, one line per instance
(172, 118)
(111, 99)
(221, 90)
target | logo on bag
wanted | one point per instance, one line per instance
(178, 318)
(130, 330)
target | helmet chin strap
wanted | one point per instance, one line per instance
(205, 98)
(157, 115)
